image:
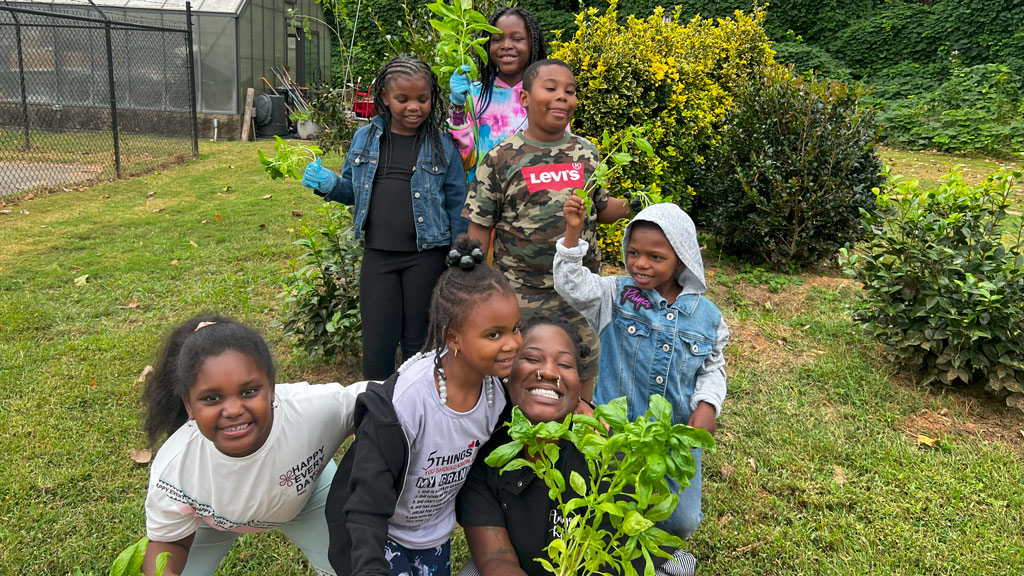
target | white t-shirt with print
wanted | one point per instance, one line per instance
(443, 445)
(192, 482)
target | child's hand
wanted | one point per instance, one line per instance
(704, 417)
(574, 210)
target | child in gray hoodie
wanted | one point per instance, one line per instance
(659, 335)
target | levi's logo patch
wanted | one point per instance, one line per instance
(553, 177)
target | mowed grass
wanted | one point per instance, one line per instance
(818, 469)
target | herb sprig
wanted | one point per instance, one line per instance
(290, 160)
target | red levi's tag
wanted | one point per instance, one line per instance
(553, 177)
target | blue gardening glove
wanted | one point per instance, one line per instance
(459, 84)
(319, 178)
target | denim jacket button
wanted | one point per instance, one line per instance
(631, 329)
(665, 347)
(416, 195)
(420, 219)
(659, 380)
(671, 316)
(695, 349)
(424, 246)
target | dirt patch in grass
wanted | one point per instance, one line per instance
(974, 413)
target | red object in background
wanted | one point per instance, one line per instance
(363, 105)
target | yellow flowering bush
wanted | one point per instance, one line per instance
(677, 77)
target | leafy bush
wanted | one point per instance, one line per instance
(979, 109)
(321, 289)
(627, 488)
(330, 112)
(807, 59)
(678, 76)
(943, 275)
(794, 172)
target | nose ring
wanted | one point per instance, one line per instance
(539, 376)
(558, 383)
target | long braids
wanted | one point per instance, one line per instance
(489, 73)
(184, 351)
(466, 283)
(430, 129)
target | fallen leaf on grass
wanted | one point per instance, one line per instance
(141, 456)
(93, 384)
(925, 440)
(297, 213)
(838, 476)
(150, 195)
(218, 217)
(726, 471)
(174, 262)
(724, 520)
(105, 196)
(81, 280)
(227, 188)
(133, 305)
(268, 196)
(5, 212)
(193, 244)
(145, 372)
(158, 210)
(752, 465)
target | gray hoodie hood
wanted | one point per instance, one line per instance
(682, 235)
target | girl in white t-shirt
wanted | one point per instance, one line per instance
(391, 508)
(242, 455)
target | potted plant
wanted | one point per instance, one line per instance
(304, 124)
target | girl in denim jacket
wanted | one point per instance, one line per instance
(407, 212)
(659, 335)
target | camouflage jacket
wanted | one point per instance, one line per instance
(519, 190)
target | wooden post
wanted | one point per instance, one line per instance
(247, 118)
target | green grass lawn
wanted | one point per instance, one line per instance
(818, 470)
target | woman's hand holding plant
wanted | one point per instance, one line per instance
(704, 417)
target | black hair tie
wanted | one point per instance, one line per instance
(452, 259)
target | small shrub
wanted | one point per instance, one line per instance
(943, 275)
(330, 111)
(609, 241)
(794, 171)
(321, 289)
(980, 110)
(677, 76)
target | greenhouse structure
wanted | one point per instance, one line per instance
(236, 43)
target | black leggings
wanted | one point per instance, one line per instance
(394, 298)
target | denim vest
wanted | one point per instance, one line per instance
(651, 347)
(438, 192)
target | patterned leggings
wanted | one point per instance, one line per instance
(430, 562)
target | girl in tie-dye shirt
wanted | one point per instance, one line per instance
(497, 111)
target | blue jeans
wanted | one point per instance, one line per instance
(686, 518)
(308, 531)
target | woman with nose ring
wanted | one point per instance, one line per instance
(508, 518)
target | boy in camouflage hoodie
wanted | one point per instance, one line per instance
(520, 188)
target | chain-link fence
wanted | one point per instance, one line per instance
(85, 98)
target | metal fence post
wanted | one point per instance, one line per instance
(21, 77)
(113, 100)
(192, 81)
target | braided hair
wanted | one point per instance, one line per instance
(542, 318)
(183, 353)
(488, 73)
(430, 129)
(466, 283)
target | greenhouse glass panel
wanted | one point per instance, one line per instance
(218, 86)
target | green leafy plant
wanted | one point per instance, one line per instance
(330, 110)
(321, 289)
(300, 116)
(129, 561)
(290, 160)
(793, 173)
(943, 275)
(610, 517)
(460, 35)
(677, 75)
(617, 156)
